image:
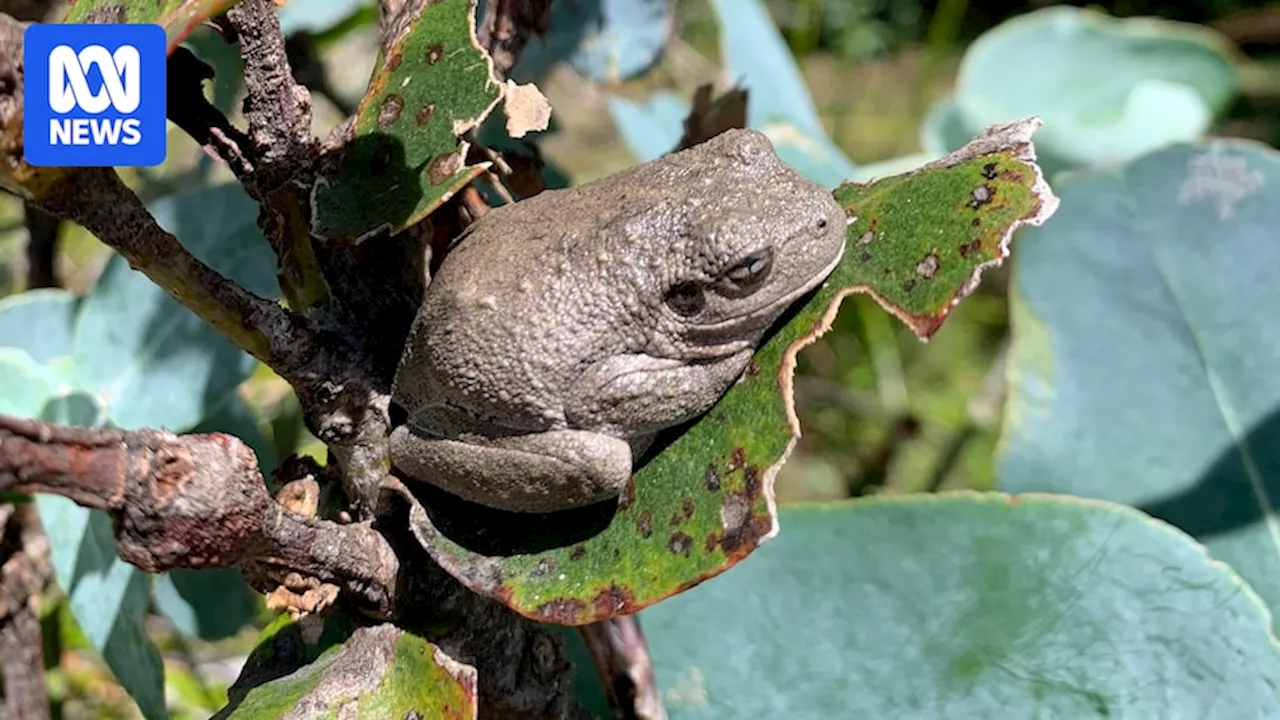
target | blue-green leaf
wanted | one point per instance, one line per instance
(208, 604)
(39, 322)
(759, 60)
(1107, 89)
(651, 128)
(317, 16)
(1144, 356)
(968, 605)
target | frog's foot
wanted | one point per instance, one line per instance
(537, 473)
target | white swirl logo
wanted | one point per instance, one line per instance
(69, 84)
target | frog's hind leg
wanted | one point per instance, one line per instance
(537, 472)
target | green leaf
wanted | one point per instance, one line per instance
(917, 242)
(368, 672)
(1107, 89)
(1142, 369)
(207, 604)
(969, 605)
(107, 596)
(179, 17)
(144, 355)
(606, 41)
(431, 84)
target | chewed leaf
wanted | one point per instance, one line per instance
(704, 501)
(432, 83)
(179, 17)
(919, 242)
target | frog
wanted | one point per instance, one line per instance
(563, 332)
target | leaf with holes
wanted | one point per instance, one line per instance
(178, 17)
(1143, 365)
(346, 671)
(967, 605)
(432, 84)
(917, 242)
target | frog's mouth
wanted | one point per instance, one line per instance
(732, 335)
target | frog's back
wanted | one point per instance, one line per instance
(516, 311)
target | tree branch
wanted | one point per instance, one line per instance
(276, 107)
(24, 571)
(195, 501)
(621, 656)
(199, 501)
(97, 199)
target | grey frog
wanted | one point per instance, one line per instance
(564, 331)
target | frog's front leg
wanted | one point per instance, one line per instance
(535, 472)
(640, 394)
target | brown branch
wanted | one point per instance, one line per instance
(42, 247)
(199, 501)
(97, 199)
(276, 107)
(621, 657)
(280, 148)
(24, 570)
(194, 501)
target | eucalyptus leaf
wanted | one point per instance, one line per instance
(1142, 368)
(967, 605)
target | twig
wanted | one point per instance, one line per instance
(621, 657)
(390, 14)
(195, 501)
(98, 200)
(24, 570)
(42, 247)
(199, 501)
(277, 109)
(284, 150)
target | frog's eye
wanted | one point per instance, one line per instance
(746, 275)
(686, 299)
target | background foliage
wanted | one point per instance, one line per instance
(1131, 340)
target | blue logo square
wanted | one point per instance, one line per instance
(94, 95)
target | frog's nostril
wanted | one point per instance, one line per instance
(822, 223)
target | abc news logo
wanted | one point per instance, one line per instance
(69, 90)
(95, 95)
